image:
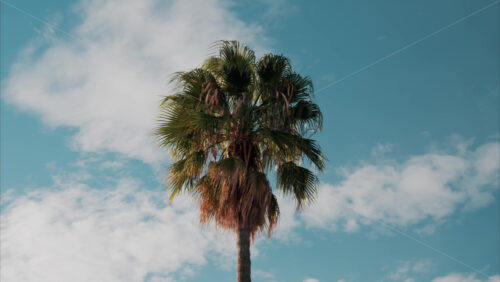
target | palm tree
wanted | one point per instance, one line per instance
(228, 124)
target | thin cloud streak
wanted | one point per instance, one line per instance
(408, 46)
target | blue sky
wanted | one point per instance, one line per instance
(410, 95)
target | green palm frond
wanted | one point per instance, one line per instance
(299, 181)
(306, 117)
(290, 146)
(271, 69)
(184, 173)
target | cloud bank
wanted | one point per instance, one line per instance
(78, 233)
(84, 228)
(107, 83)
(424, 187)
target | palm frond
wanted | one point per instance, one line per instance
(299, 181)
(232, 120)
(290, 146)
(185, 172)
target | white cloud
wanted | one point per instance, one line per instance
(262, 274)
(108, 83)
(288, 220)
(310, 280)
(407, 269)
(77, 233)
(381, 149)
(422, 266)
(458, 277)
(400, 273)
(430, 186)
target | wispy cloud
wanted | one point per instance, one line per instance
(424, 188)
(87, 228)
(459, 277)
(264, 275)
(108, 81)
(406, 270)
(118, 233)
(310, 280)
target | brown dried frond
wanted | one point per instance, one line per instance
(234, 197)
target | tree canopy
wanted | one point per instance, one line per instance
(231, 123)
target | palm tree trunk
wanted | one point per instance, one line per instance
(243, 249)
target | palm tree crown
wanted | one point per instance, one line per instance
(231, 122)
